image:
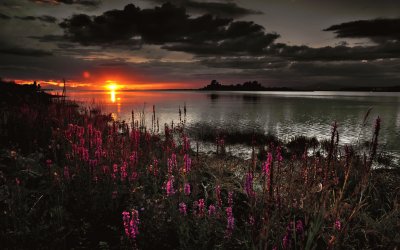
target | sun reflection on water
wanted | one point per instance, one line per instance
(112, 96)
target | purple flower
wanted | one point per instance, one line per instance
(286, 241)
(230, 222)
(188, 163)
(170, 186)
(182, 208)
(267, 165)
(131, 223)
(230, 198)
(211, 210)
(124, 172)
(299, 227)
(187, 189)
(172, 163)
(201, 206)
(249, 184)
(338, 225)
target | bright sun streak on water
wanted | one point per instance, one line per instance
(112, 86)
(112, 96)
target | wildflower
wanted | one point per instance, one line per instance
(267, 165)
(182, 208)
(126, 218)
(230, 222)
(338, 225)
(124, 172)
(155, 167)
(230, 199)
(286, 241)
(133, 158)
(170, 186)
(187, 189)
(171, 163)
(201, 207)
(249, 184)
(188, 163)
(211, 210)
(131, 223)
(299, 227)
(115, 171)
(133, 176)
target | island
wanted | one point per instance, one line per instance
(246, 86)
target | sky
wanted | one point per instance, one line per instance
(151, 44)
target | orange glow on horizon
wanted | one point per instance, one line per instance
(53, 83)
(110, 84)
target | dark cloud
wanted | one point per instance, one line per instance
(4, 17)
(377, 29)
(44, 18)
(20, 51)
(25, 18)
(389, 49)
(223, 9)
(79, 2)
(171, 27)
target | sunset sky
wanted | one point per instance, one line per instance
(147, 44)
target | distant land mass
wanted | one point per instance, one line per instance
(247, 86)
(256, 86)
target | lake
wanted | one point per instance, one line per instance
(284, 114)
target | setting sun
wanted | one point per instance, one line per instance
(112, 85)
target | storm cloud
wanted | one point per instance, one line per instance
(79, 2)
(223, 9)
(21, 51)
(171, 27)
(376, 29)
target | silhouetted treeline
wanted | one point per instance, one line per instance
(246, 86)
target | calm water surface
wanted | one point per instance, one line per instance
(284, 114)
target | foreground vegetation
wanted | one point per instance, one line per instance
(72, 177)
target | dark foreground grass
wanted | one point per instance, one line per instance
(75, 179)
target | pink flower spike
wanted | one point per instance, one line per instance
(187, 189)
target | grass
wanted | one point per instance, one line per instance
(67, 178)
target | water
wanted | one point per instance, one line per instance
(285, 114)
